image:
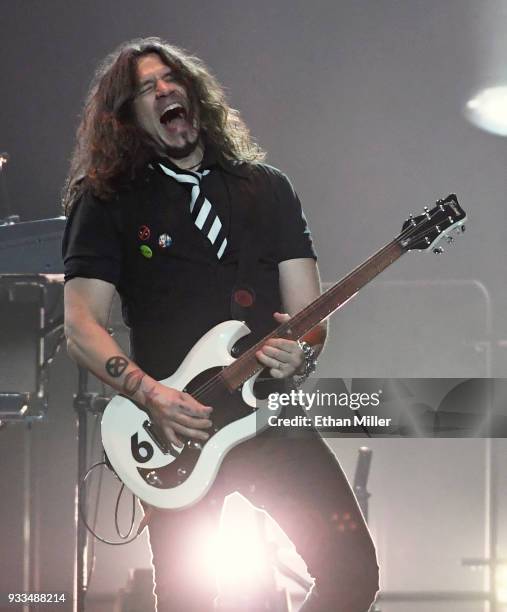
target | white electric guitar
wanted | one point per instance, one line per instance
(168, 477)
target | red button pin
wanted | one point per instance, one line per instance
(144, 232)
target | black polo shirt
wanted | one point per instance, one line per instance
(172, 286)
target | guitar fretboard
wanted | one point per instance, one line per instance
(247, 365)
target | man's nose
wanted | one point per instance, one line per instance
(163, 87)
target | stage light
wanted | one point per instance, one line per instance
(488, 110)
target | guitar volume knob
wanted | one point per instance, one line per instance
(153, 479)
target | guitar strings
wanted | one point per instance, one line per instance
(409, 232)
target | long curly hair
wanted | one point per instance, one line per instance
(111, 149)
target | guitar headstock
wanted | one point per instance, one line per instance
(440, 224)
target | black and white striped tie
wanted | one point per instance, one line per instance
(203, 213)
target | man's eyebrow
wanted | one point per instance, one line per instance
(152, 77)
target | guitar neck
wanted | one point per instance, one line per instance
(247, 365)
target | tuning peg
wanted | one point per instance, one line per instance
(462, 229)
(438, 250)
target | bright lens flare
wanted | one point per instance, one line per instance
(237, 559)
(236, 554)
(488, 110)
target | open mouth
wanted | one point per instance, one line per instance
(173, 113)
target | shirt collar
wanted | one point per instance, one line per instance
(213, 158)
(210, 160)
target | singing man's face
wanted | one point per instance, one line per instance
(163, 108)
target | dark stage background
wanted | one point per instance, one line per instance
(361, 103)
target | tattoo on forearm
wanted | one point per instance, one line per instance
(133, 381)
(115, 366)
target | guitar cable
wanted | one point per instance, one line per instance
(82, 513)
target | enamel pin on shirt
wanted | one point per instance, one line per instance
(146, 251)
(144, 232)
(164, 241)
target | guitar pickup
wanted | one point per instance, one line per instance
(158, 437)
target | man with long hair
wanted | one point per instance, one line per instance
(167, 198)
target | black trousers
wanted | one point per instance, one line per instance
(299, 482)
